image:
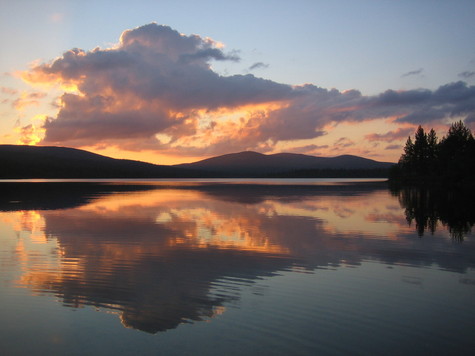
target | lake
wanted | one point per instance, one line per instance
(235, 267)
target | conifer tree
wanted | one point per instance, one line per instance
(452, 160)
(456, 151)
(432, 152)
(420, 152)
(408, 156)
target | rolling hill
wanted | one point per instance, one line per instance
(249, 163)
(62, 162)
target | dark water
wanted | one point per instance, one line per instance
(233, 268)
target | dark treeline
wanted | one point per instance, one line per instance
(428, 161)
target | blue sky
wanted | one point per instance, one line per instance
(368, 46)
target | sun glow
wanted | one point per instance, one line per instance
(32, 134)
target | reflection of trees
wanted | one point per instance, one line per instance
(427, 207)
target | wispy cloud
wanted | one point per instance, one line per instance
(391, 135)
(467, 74)
(308, 149)
(343, 142)
(26, 99)
(258, 65)
(412, 72)
(8, 91)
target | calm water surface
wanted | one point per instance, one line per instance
(232, 268)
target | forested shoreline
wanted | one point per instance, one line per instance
(428, 161)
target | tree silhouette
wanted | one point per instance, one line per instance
(407, 158)
(457, 151)
(432, 152)
(452, 160)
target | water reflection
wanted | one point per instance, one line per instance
(429, 208)
(163, 255)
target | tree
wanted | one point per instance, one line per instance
(432, 152)
(457, 151)
(450, 161)
(457, 141)
(421, 148)
(408, 156)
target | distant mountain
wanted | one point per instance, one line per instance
(18, 161)
(249, 163)
(62, 162)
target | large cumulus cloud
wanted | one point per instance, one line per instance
(158, 81)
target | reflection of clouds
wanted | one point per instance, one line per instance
(31, 249)
(150, 293)
(153, 257)
(367, 215)
(26, 221)
(33, 222)
(155, 272)
(218, 229)
(343, 212)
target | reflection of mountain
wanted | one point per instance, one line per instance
(61, 195)
(170, 255)
(254, 193)
(428, 207)
(56, 195)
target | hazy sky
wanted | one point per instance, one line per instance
(168, 81)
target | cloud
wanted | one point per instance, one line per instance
(467, 74)
(470, 122)
(307, 149)
(156, 90)
(27, 99)
(155, 81)
(343, 142)
(393, 147)
(29, 134)
(454, 100)
(9, 91)
(258, 65)
(390, 136)
(412, 72)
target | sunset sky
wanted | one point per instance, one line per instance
(172, 82)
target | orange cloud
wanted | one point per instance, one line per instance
(390, 136)
(27, 99)
(9, 91)
(33, 133)
(156, 90)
